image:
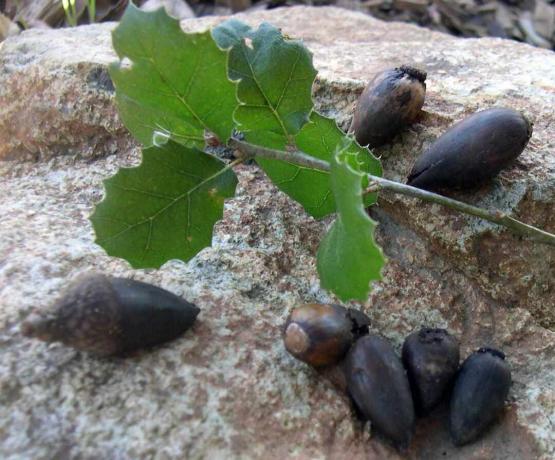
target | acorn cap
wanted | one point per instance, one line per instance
(414, 72)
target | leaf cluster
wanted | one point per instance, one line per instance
(175, 90)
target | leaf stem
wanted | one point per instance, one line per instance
(297, 157)
(379, 183)
(234, 163)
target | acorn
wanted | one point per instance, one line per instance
(479, 394)
(111, 316)
(391, 101)
(431, 358)
(473, 151)
(377, 383)
(321, 334)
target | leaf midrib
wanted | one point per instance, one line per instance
(174, 90)
(178, 198)
(270, 106)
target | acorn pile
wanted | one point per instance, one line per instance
(390, 391)
(466, 156)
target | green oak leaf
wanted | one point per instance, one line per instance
(276, 76)
(170, 82)
(310, 187)
(320, 139)
(165, 208)
(348, 257)
(265, 125)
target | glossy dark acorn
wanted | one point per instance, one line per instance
(479, 395)
(377, 383)
(472, 151)
(321, 334)
(431, 358)
(391, 101)
(110, 316)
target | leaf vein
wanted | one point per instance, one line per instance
(144, 192)
(274, 112)
(286, 86)
(168, 206)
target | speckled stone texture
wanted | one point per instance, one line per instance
(56, 95)
(227, 388)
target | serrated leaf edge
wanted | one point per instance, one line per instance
(208, 32)
(97, 241)
(372, 233)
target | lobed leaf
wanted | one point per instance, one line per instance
(276, 75)
(311, 187)
(171, 88)
(165, 208)
(349, 258)
(170, 82)
(280, 122)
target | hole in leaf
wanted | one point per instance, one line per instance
(126, 63)
(248, 43)
(160, 138)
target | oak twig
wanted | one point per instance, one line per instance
(379, 183)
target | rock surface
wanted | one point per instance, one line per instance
(228, 388)
(56, 94)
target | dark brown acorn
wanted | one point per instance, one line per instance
(479, 395)
(377, 383)
(321, 334)
(391, 101)
(472, 151)
(431, 358)
(111, 316)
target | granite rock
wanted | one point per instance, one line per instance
(227, 388)
(56, 96)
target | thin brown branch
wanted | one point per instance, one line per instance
(379, 183)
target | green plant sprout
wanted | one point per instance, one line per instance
(252, 90)
(72, 16)
(91, 8)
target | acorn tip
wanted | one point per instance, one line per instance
(414, 72)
